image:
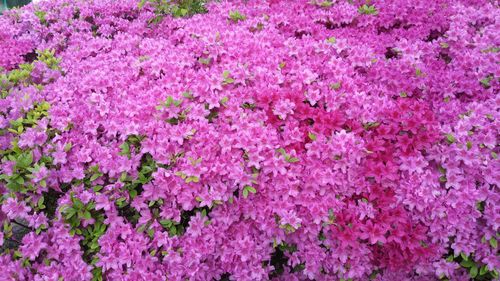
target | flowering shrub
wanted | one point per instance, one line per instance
(250, 140)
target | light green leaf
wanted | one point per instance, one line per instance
(251, 189)
(236, 16)
(312, 136)
(68, 147)
(94, 177)
(469, 145)
(450, 138)
(224, 100)
(125, 149)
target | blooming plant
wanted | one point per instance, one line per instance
(250, 140)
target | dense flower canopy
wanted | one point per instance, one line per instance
(283, 140)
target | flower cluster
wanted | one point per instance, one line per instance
(250, 140)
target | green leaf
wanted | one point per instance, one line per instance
(94, 177)
(473, 272)
(282, 151)
(173, 231)
(467, 263)
(204, 61)
(24, 160)
(228, 80)
(68, 147)
(251, 189)
(177, 103)
(151, 232)
(292, 160)
(192, 179)
(248, 189)
(483, 270)
(94, 246)
(312, 136)
(493, 242)
(123, 176)
(335, 86)
(485, 82)
(367, 10)
(70, 212)
(370, 125)
(469, 145)
(87, 215)
(332, 40)
(326, 4)
(20, 180)
(40, 201)
(187, 95)
(125, 149)
(450, 138)
(169, 102)
(224, 100)
(120, 202)
(166, 223)
(236, 16)
(491, 50)
(133, 193)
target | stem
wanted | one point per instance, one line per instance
(13, 240)
(21, 224)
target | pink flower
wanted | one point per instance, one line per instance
(37, 220)
(14, 209)
(283, 108)
(41, 174)
(32, 245)
(374, 232)
(59, 157)
(348, 138)
(444, 268)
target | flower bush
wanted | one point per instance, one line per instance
(250, 140)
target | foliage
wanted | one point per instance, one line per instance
(249, 140)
